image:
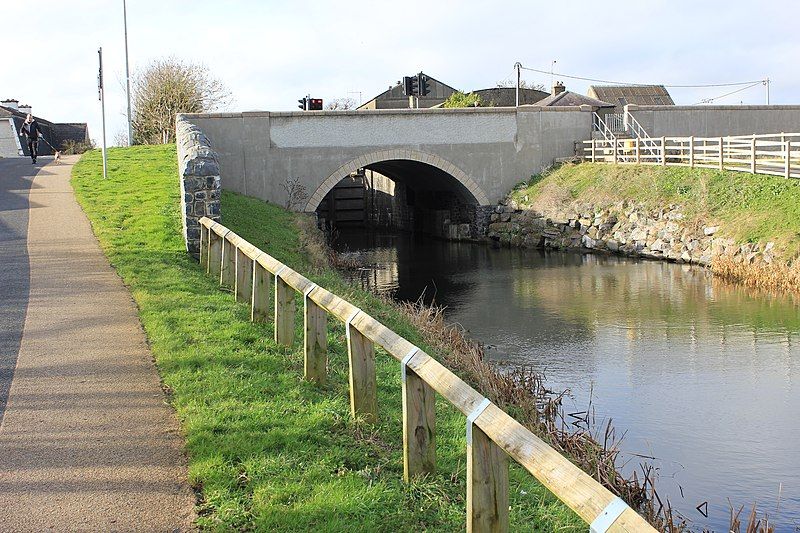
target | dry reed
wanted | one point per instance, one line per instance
(775, 277)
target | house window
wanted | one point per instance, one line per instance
(622, 101)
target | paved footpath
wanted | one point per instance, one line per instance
(87, 441)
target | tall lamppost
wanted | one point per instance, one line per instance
(127, 73)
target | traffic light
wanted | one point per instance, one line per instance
(303, 103)
(315, 104)
(423, 85)
(408, 86)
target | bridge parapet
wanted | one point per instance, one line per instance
(485, 150)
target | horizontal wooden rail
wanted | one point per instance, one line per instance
(492, 435)
(773, 154)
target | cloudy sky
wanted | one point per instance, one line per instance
(271, 53)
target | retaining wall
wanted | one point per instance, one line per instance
(199, 173)
(715, 120)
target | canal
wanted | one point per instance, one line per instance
(700, 375)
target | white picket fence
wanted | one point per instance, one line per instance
(776, 154)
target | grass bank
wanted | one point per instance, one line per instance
(747, 208)
(267, 450)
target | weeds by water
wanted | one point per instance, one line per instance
(775, 277)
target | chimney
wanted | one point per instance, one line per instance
(11, 104)
(24, 108)
(558, 88)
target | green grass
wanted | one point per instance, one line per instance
(748, 208)
(267, 450)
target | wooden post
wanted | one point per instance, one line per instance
(315, 340)
(228, 272)
(593, 142)
(663, 151)
(614, 142)
(753, 154)
(259, 309)
(787, 171)
(244, 277)
(284, 312)
(638, 140)
(487, 485)
(204, 231)
(691, 151)
(363, 382)
(214, 254)
(419, 424)
(721, 157)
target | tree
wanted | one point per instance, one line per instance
(341, 104)
(167, 87)
(459, 99)
(522, 85)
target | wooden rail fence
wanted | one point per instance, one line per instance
(492, 435)
(775, 154)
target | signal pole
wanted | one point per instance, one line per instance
(102, 108)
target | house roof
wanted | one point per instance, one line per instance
(388, 92)
(507, 96)
(569, 98)
(632, 94)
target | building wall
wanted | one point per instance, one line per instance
(716, 121)
(8, 139)
(494, 147)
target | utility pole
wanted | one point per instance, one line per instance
(518, 66)
(102, 108)
(127, 73)
(766, 84)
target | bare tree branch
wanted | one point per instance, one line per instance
(167, 87)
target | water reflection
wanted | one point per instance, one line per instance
(701, 375)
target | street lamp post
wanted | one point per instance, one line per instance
(127, 73)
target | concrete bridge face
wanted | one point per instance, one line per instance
(478, 154)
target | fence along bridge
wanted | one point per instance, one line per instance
(492, 435)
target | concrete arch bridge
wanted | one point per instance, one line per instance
(428, 169)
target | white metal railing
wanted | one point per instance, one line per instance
(615, 122)
(635, 128)
(598, 124)
(775, 154)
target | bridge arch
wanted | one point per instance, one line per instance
(395, 155)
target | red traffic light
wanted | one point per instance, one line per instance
(315, 104)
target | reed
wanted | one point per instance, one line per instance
(775, 277)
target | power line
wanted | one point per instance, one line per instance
(701, 86)
(709, 100)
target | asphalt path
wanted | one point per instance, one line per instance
(16, 178)
(88, 441)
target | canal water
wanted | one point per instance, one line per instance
(701, 375)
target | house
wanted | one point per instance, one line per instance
(12, 115)
(394, 97)
(562, 97)
(622, 95)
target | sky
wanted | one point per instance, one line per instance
(269, 54)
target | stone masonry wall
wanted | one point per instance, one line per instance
(623, 228)
(198, 169)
